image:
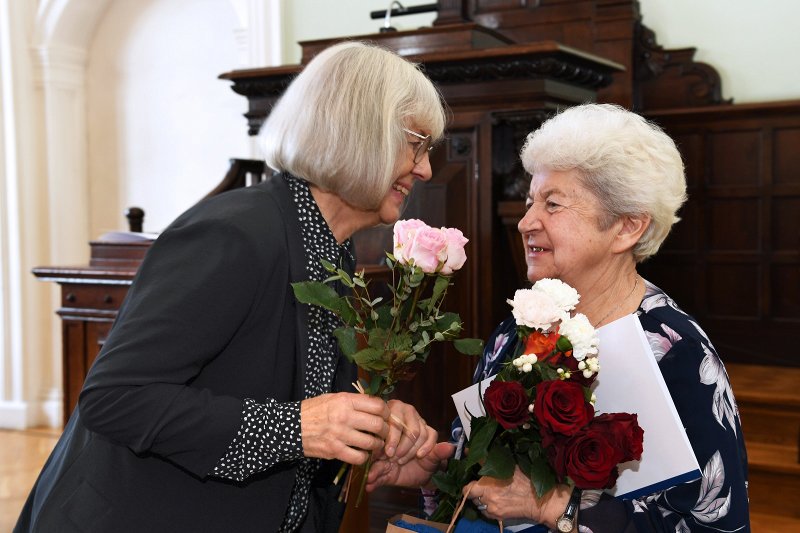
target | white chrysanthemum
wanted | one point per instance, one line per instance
(581, 335)
(535, 309)
(562, 294)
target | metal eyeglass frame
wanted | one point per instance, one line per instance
(425, 144)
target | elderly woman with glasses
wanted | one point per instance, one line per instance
(218, 401)
(606, 186)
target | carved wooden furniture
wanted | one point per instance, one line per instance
(90, 298)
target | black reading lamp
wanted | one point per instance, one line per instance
(399, 11)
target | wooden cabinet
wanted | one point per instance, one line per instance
(90, 298)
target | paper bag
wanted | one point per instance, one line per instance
(392, 528)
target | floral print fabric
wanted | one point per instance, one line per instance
(699, 385)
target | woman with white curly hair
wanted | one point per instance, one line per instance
(606, 186)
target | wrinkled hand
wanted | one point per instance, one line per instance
(415, 440)
(515, 498)
(413, 474)
(344, 426)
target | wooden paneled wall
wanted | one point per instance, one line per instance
(734, 260)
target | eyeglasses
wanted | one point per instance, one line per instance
(420, 147)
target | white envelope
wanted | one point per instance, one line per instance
(629, 382)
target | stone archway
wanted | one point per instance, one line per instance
(52, 218)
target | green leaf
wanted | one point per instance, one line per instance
(445, 323)
(346, 279)
(377, 338)
(439, 287)
(330, 267)
(370, 359)
(400, 343)
(438, 336)
(316, 293)
(416, 277)
(384, 317)
(563, 344)
(347, 341)
(483, 432)
(499, 462)
(542, 476)
(469, 346)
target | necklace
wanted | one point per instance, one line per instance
(616, 307)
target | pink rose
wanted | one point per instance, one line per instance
(428, 249)
(456, 256)
(404, 233)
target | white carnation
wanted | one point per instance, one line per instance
(535, 309)
(581, 335)
(564, 296)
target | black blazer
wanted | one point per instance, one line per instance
(209, 321)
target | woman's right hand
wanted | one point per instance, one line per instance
(344, 426)
(414, 473)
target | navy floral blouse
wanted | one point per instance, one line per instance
(699, 385)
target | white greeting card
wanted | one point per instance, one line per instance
(629, 382)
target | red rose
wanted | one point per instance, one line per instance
(624, 431)
(561, 407)
(507, 402)
(590, 459)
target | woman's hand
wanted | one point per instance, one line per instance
(409, 436)
(415, 473)
(344, 426)
(515, 498)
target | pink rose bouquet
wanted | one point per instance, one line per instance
(389, 340)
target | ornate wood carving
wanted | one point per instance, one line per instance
(509, 131)
(517, 68)
(671, 78)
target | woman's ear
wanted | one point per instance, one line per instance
(631, 230)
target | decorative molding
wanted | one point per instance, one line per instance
(60, 66)
(671, 78)
(519, 68)
(509, 131)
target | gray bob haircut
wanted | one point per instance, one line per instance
(628, 163)
(339, 124)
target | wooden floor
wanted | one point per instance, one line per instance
(22, 454)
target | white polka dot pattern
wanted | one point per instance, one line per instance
(270, 432)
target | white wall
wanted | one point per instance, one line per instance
(161, 126)
(306, 20)
(753, 45)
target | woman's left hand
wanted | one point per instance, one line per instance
(515, 498)
(413, 441)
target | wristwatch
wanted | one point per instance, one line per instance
(567, 521)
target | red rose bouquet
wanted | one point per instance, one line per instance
(540, 413)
